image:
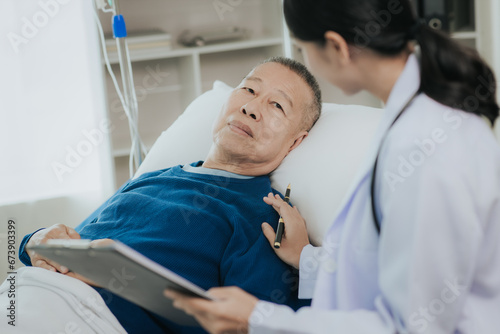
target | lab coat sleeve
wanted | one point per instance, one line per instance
(269, 318)
(272, 318)
(308, 271)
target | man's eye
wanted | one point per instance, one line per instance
(277, 105)
(250, 90)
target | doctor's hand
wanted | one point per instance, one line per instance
(229, 313)
(58, 231)
(295, 236)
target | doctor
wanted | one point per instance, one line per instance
(416, 245)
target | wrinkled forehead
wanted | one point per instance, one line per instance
(275, 76)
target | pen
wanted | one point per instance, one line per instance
(281, 224)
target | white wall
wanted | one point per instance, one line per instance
(488, 27)
(56, 165)
(495, 56)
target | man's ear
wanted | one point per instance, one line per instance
(337, 45)
(300, 137)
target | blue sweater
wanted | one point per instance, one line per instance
(206, 228)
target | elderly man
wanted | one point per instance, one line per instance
(203, 220)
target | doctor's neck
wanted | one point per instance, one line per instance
(380, 73)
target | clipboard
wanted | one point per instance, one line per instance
(125, 272)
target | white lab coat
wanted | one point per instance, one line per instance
(435, 268)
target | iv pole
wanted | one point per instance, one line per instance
(120, 34)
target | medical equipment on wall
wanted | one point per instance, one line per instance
(128, 98)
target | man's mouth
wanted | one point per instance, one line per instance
(240, 127)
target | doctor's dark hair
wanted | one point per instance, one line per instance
(451, 74)
(314, 108)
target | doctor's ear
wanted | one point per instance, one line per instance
(336, 44)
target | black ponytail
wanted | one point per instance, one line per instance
(455, 75)
(451, 74)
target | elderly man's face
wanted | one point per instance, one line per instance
(262, 118)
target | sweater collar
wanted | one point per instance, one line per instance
(196, 167)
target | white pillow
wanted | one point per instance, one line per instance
(320, 169)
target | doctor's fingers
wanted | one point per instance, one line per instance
(276, 202)
(190, 305)
(290, 215)
(197, 307)
(229, 313)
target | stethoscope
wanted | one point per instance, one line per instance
(372, 188)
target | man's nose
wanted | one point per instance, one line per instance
(252, 110)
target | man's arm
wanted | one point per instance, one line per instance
(24, 256)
